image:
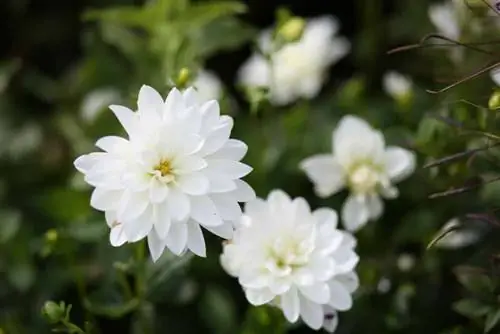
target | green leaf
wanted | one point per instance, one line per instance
(201, 14)
(130, 16)
(21, 275)
(10, 221)
(492, 320)
(475, 281)
(88, 231)
(222, 35)
(111, 310)
(471, 308)
(264, 320)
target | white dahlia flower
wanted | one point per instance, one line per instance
(361, 162)
(296, 70)
(177, 170)
(285, 255)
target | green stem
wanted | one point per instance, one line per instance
(139, 273)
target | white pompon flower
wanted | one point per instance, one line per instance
(296, 70)
(287, 256)
(208, 86)
(361, 162)
(177, 170)
(397, 85)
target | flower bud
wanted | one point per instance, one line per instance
(53, 312)
(494, 102)
(292, 29)
(183, 78)
(51, 235)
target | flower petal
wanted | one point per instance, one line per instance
(340, 298)
(227, 206)
(196, 242)
(140, 227)
(375, 206)
(243, 192)
(203, 210)
(355, 213)
(176, 239)
(162, 221)
(290, 304)
(326, 174)
(225, 231)
(126, 117)
(229, 168)
(318, 293)
(117, 236)
(156, 246)
(311, 313)
(132, 205)
(112, 144)
(158, 191)
(400, 163)
(259, 297)
(193, 184)
(233, 150)
(178, 204)
(103, 199)
(149, 102)
(218, 137)
(326, 216)
(188, 164)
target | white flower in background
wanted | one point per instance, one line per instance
(295, 259)
(397, 85)
(361, 162)
(208, 86)
(296, 70)
(406, 262)
(457, 238)
(96, 101)
(178, 170)
(445, 16)
(495, 76)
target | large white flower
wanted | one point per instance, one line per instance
(361, 162)
(177, 170)
(297, 70)
(295, 259)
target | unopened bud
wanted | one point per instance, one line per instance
(51, 235)
(494, 102)
(292, 30)
(53, 312)
(183, 78)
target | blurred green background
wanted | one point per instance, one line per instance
(53, 246)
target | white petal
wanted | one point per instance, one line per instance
(193, 184)
(132, 205)
(331, 319)
(139, 228)
(355, 213)
(225, 231)
(227, 206)
(375, 206)
(217, 138)
(233, 150)
(211, 116)
(259, 297)
(116, 236)
(188, 164)
(136, 181)
(158, 191)
(112, 144)
(110, 217)
(149, 101)
(345, 260)
(156, 246)
(243, 191)
(126, 117)
(340, 298)
(178, 204)
(326, 216)
(350, 281)
(174, 103)
(220, 183)
(311, 313)
(290, 305)
(162, 220)
(196, 242)
(229, 168)
(204, 211)
(103, 200)
(400, 163)
(326, 174)
(318, 293)
(86, 162)
(177, 238)
(495, 75)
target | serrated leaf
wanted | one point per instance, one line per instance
(491, 321)
(471, 308)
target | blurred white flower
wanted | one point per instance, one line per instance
(495, 75)
(361, 162)
(406, 262)
(296, 70)
(96, 101)
(384, 285)
(208, 86)
(445, 17)
(457, 238)
(295, 259)
(397, 85)
(177, 170)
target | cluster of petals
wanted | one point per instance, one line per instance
(360, 161)
(297, 69)
(287, 256)
(176, 171)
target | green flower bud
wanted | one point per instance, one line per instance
(53, 312)
(494, 102)
(51, 235)
(292, 30)
(183, 78)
